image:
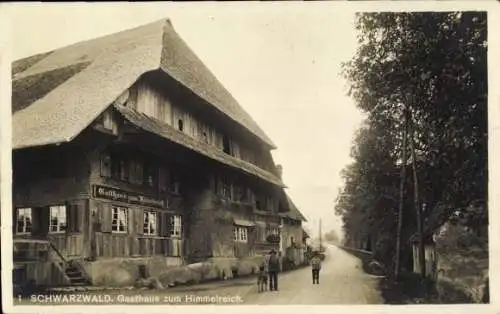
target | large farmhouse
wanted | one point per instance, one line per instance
(128, 147)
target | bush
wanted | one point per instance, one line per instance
(273, 238)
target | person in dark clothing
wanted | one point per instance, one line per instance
(274, 266)
(316, 267)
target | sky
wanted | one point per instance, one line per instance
(281, 62)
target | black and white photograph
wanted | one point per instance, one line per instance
(177, 154)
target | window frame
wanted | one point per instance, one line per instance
(240, 234)
(58, 225)
(108, 121)
(106, 155)
(30, 211)
(273, 230)
(123, 169)
(136, 171)
(146, 230)
(226, 144)
(180, 125)
(151, 171)
(175, 226)
(174, 184)
(118, 224)
(240, 193)
(226, 188)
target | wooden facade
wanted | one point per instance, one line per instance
(119, 192)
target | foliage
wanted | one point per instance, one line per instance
(273, 238)
(432, 64)
(332, 237)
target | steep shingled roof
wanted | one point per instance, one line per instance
(56, 95)
(294, 212)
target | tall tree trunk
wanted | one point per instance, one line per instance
(401, 194)
(420, 234)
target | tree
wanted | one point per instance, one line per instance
(434, 65)
(332, 237)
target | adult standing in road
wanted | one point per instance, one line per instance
(316, 267)
(274, 267)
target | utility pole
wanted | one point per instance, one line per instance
(420, 233)
(401, 193)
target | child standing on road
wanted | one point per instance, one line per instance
(316, 267)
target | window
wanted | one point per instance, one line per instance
(24, 221)
(162, 179)
(273, 230)
(226, 189)
(136, 174)
(120, 219)
(243, 234)
(180, 125)
(105, 165)
(203, 132)
(226, 144)
(150, 177)
(240, 193)
(258, 205)
(107, 120)
(262, 233)
(57, 219)
(194, 127)
(269, 203)
(150, 223)
(175, 185)
(122, 170)
(176, 226)
(240, 234)
(260, 202)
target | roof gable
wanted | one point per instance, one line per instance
(181, 63)
(294, 212)
(56, 95)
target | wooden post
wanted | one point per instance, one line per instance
(421, 247)
(401, 195)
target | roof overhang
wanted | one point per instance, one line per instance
(167, 132)
(244, 223)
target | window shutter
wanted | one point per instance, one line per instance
(70, 218)
(37, 220)
(139, 221)
(79, 209)
(159, 223)
(106, 217)
(73, 216)
(131, 219)
(43, 216)
(165, 224)
(182, 226)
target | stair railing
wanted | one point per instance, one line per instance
(65, 263)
